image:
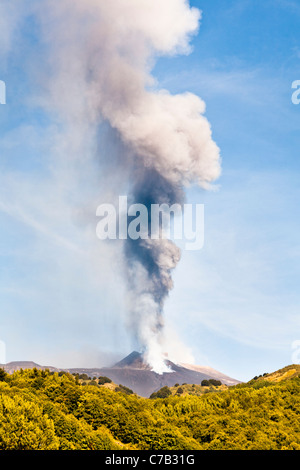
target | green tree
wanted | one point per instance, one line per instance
(123, 389)
(215, 382)
(3, 375)
(205, 383)
(24, 427)
(164, 392)
(103, 380)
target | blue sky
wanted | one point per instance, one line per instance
(236, 302)
(247, 308)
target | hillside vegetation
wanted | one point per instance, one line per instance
(207, 386)
(44, 410)
(281, 374)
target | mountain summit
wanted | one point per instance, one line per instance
(133, 361)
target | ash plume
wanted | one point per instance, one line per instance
(99, 60)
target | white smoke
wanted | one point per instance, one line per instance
(102, 56)
(10, 17)
(97, 67)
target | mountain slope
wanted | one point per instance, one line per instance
(279, 375)
(213, 374)
(11, 367)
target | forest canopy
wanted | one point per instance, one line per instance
(48, 411)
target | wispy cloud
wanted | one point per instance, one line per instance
(19, 213)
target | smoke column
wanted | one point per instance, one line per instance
(100, 56)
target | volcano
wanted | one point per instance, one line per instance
(135, 374)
